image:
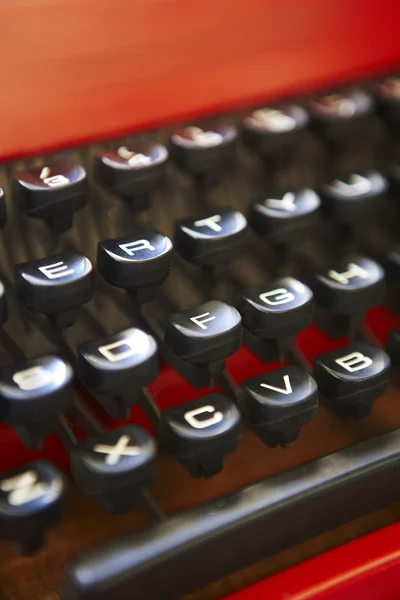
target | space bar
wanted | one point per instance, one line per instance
(212, 540)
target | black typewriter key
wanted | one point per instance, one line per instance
(353, 200)
(351, 378)
(136, 263)
(203, 150)
(132, 171)
(32, 500)
(341, 115)
(212, 239)
(201, 433)
(115, 466)
(55, 286)
(52, 192)
(277, 404)
(387, 93)
(33, 395)
(275, 312)
(116, 367)
(205, 335)
(3, 209)
(345, 292)
(272, 131)
(285, 219)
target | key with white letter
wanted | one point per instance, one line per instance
(116, 367)
(205, 335)
(277, 404)
(52, 192)
(345, 292)
(212, 239)
(274, 313)
(285, 219)
(203, 151)
(132, 171)
(341, 116)
(137, 263)
(356, 198)
(274, 132)
(55, 286)
(115, 465)
(200, 433)
(33, 395)
(32, 500)
(351, 378)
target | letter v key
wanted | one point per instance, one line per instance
(286, 390)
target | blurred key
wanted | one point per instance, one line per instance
(115, 466)
(285, 219)
(355, 199)
(33, 395)
(32, 500)
(132, 171)
(342, 114)
(52, 192)
(274, 131)
(203, 151)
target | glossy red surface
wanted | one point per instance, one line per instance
(366, 569)
(79, 70)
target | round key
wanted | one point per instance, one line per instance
(136, 262)
(52, 192)
(32, 500)
(206, 333)
(56, 285)
(34, 394)
(278, 309)
(200, 433)
(133, 170)
(115, 465)
(388, 97)
(118, 366)
(202, 149)
(212, 239)
(356, 198)
(276, 404)
(284, 218)
(340, 114)
(273, 129)
(352, 286)
(352, 377)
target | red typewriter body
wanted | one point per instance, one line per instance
(81, 74)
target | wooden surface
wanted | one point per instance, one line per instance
(76, 70)
(86, 524)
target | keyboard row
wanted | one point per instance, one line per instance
(133, 171)
(115, 466)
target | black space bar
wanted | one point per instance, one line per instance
(215, 539)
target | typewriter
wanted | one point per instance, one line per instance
(200, 319)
